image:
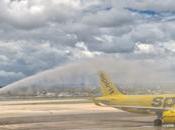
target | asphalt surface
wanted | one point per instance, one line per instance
(38, 115)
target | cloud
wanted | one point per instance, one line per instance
(8, 77)
(82, 51)
(32, 14)
(109, 18)
(158, 5)
(36, 35)
(30, 57)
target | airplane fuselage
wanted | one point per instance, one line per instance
(139, 100)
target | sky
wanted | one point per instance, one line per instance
(37, 35)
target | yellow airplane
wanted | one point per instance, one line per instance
(163, 106)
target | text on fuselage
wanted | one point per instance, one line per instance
(163, 102)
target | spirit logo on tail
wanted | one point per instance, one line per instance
(107, 84)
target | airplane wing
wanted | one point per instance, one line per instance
(144, 108)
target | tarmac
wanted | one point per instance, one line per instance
(67, 114)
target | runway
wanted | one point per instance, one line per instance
(69, 115)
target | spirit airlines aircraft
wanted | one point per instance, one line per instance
(163, 106)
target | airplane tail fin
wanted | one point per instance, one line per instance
(107, 87)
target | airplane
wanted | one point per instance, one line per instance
(163, 106)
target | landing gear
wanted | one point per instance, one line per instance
(157, 122)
